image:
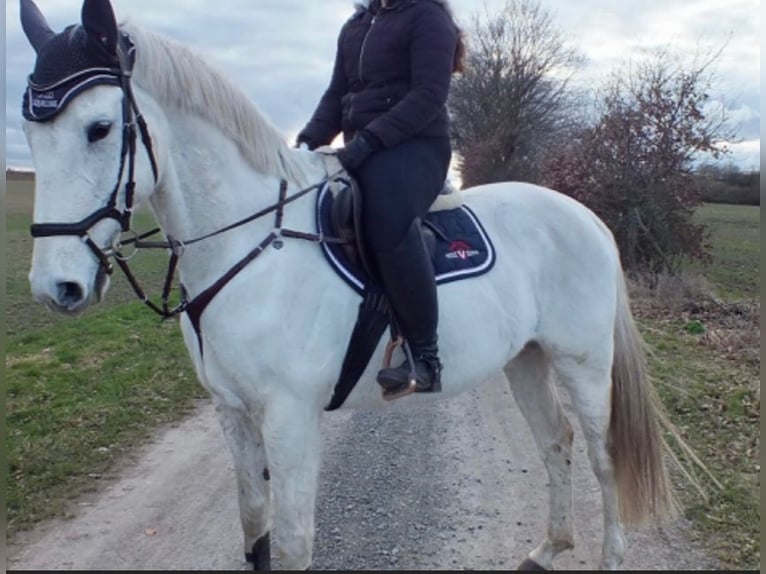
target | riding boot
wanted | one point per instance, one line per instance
(408, 279)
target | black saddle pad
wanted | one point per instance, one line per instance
(463, 248)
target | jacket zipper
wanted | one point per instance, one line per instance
(364, 44)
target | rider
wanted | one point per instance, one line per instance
(387, 94)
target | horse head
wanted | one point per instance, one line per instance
(85, 133)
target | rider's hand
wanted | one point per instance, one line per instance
(304, 143)
(356, 152)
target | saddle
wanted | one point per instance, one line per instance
(346, 224)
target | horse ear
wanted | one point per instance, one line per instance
(99, 21)
(34, 24)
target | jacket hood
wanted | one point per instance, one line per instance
(364, 4)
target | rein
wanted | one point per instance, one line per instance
(177, 247)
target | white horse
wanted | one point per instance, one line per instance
(271, 341)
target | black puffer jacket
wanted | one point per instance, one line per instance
(392, 74)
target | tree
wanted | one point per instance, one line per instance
(513, 97)
(634, 165)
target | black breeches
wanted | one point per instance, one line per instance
(398, 185)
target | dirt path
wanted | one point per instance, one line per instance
(454, 485)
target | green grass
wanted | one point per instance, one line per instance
(80, 394)
(706, 364)
(82, 391)
(735, 238)
(714, 402)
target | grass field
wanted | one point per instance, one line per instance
(82, 392)
(704, 337)
(735, 235)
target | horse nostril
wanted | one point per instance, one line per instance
(69, 293)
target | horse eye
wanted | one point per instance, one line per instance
(98, 131)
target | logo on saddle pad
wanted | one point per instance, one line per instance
(461, 250)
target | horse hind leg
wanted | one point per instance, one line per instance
(590, 388)
(535, 394)
(246, 445)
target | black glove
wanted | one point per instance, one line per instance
(305, 140)
(356, 152)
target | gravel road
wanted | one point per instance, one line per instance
(452, 485)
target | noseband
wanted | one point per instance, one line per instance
(132, 119)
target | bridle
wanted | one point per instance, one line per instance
(133, 121)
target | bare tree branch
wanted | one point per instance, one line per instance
(514, 96)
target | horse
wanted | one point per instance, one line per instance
(153, 124)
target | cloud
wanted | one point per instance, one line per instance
(746, 120)
(281, 51)
(746, 155)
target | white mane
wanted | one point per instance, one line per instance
(177, 77)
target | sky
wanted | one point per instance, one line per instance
(281, 51)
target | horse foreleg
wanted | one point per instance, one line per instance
(246, 444)
(293, 444)
(535, 395)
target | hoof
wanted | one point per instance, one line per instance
(260, 557)
(529, 564)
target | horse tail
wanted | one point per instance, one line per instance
(636, 444)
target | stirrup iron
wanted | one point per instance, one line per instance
(412, 384)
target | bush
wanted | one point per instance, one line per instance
(735, 188)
